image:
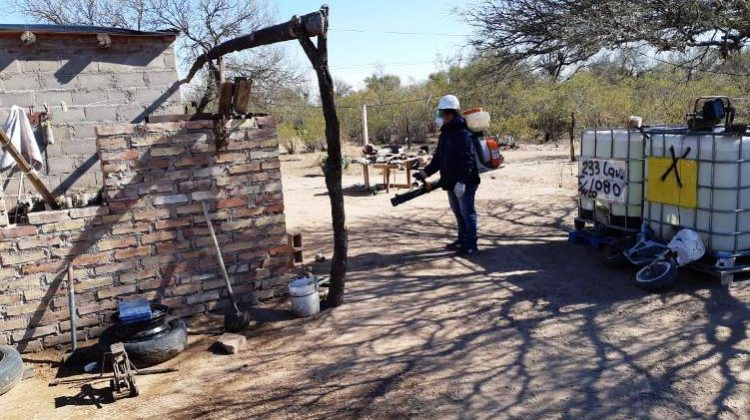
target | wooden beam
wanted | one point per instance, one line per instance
(225, 98)
(312, 24)
(8, 146)
(241, 95)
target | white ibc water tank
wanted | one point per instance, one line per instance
(616, 147)
(722, 214)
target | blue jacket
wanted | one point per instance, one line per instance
(454, 157)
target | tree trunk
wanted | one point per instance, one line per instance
(302, 28)
(333, 168)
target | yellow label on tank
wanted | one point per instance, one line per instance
(669, 191)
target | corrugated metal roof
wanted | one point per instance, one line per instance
(72, 29)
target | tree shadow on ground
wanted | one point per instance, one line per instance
(531, 327)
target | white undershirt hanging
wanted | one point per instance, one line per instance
(18, 128)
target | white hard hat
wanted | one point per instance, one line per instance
(449, 102)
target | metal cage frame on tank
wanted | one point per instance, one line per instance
(630, 223)
(723, 265)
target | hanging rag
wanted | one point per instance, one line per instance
(18, 129)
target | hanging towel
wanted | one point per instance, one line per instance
(18, 129)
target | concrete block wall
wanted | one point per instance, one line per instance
(84, 86)
(151, 237)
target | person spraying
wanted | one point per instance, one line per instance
(455, 159)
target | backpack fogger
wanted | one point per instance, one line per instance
(486, 152)
(487, 148)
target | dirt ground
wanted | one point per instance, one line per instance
(532, 327)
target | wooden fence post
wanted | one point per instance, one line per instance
(572, 136)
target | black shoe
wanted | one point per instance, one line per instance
(453, 246)
(466, 252)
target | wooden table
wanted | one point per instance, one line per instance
(386, 169)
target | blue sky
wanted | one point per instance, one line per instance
(356, 55)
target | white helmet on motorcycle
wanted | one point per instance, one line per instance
(449, 102)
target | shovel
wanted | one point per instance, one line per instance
(237, 321)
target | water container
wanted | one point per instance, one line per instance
(134, 310)
(722, 214)
(477, 119)
(615, 145)
(304, 295)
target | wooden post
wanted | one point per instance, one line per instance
(366, 173)
(302, 28)
(225, 98)
(26, 168)
(241, 99)
(222, 70)
(318, 57)
(572, 136)
(365, 134)
(387, 179)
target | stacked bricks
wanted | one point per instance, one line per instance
(151, 239)
(84, 86)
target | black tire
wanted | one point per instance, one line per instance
(657, 276)
(151, 350)
(579, 224)
(11, 368)
(134, 391)
(113, 393)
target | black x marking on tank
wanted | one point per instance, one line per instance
(673, 166)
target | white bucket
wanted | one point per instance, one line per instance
(304, 295)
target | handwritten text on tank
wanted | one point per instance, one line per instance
(601, 179)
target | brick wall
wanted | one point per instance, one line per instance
(123, 83)
(150, 239)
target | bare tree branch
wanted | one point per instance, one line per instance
(203, 25)
(553, 34)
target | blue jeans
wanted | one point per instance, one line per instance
(466, 216)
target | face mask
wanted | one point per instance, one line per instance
(438, 123)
